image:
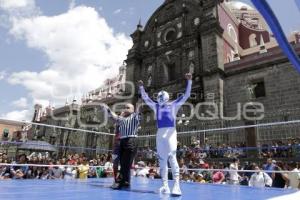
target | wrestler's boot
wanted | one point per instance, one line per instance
(164, 189)
(176, 191)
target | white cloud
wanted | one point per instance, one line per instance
(18, 115)
(82, 50)
(19, 8)
(3, 75)
(20, 103)
(117, 11)
(12, 4)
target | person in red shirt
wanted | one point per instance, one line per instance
(218, 176)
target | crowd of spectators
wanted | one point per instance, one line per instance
(277, 149)
(70, 167)
(280, 149)
(194, 167)
(262, 178)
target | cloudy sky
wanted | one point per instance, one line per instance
(51, 50)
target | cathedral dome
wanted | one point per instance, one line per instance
(238, 5)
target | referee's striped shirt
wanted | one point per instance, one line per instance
(128, 126)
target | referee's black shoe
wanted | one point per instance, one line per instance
(119, 186)
(116, 186)
(125, 185)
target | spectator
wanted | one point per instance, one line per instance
(149, 154)
(19, 172)
(260, 179)
(233, 175)
(186, 177)
(294, 176)
(142, 170)
(203, 165)
(182, 166)
(153, 171)
(108, 166)
(69, 172)
(92, 170)
(199, 178)
(218, 176)
(100, 172)
(249, 167)
(56, 172)
(269, 166)
(4, 171)
(45, 174)
(279, 179)
(83, 169)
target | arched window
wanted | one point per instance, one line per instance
(170, 35)
(148, 118)
(252, 40)
(232, 33)
(169, 72)
(149, 69)
(5, 133)
(149, 81)
(192, 68)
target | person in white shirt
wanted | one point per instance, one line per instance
(260, 179)
(70, 172)
(143, 170)
(233, 175)
(108, 166)
(294, 176)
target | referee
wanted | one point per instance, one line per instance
(128, 124)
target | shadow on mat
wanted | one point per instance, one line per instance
(162, 196)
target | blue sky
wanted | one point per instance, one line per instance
(50, 49)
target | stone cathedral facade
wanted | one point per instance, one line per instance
(235, 62)
(236, 65)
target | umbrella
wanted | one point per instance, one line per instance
(37, 146)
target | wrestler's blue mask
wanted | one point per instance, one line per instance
(162, 97)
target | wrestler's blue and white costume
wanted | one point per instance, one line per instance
(166, 138)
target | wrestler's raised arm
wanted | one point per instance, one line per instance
(182, 99)
(145, 96)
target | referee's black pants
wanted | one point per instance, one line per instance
(128, 149)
